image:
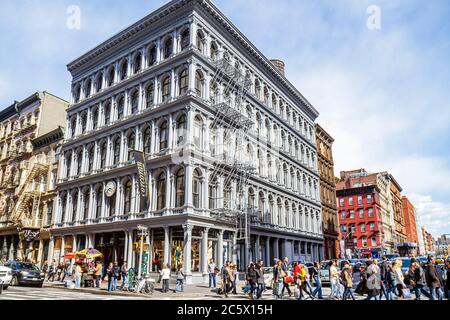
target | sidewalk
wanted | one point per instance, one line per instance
(190, 291)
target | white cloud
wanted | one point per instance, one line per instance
(433, 214)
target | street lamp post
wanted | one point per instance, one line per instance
(142, 232)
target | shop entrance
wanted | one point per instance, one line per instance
(112, 246)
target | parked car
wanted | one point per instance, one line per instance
(25, 274)
(5, 277)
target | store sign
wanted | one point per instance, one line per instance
(142, 178)
(31, 235)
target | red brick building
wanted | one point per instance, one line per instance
(410, 221)
(360, 219)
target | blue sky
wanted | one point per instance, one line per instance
(383, 94)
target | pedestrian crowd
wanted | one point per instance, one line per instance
(377, 279)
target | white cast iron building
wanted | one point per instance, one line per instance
(154, 87)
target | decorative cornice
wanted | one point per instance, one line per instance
(214, 12)
(132, 30)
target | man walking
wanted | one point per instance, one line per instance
(212, 274)
(52, 271)
(417, 279)
(347, 279)
(432, 278)
(383, 275)
(124, 274)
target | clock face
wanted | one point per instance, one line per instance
(110, 189)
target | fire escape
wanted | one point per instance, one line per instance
(231, 162)
(29, 197)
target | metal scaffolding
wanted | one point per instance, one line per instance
(231, 163)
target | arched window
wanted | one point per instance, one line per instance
(77, 94)
(95, 119)
(107, 113)
(161, 192)
(124, 70)
(168, 48)
(266, 96)
(121, 108)
(83, 123)
(151, 55)
(213, 192)
(166, 89)
(198, 132)
(150, 95)
(199, 83)
(200, 41)
(131, 145)
(86, 202)
(73, 127)
(213, 51)
(163, 136)
(147, 141)
(184, 82)
(87, 88)
(181, 129)
(135, 102)
(63, 207)
(127, 194)
(91, 159)
(79, 162)
(251, 198)
(137, 63)
(179, 188)
(261, 206)
(270, 215)
(280, 211)
(68, 165)
(117, 143)
(99, 204)
(99, 82)
(103, 147)
(74, 206)
(257, 89)
(214, 94)
(111, 76)
(185, 39)
(112, 204)
(196, 188)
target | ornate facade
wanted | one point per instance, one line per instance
(154, 88)
(328, 193)
(29, 132)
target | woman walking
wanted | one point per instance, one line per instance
(316, 277)
(399, 278)
(373, 280)
(278, 277)
(165, 277)
(181, 276)
(334, 280)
